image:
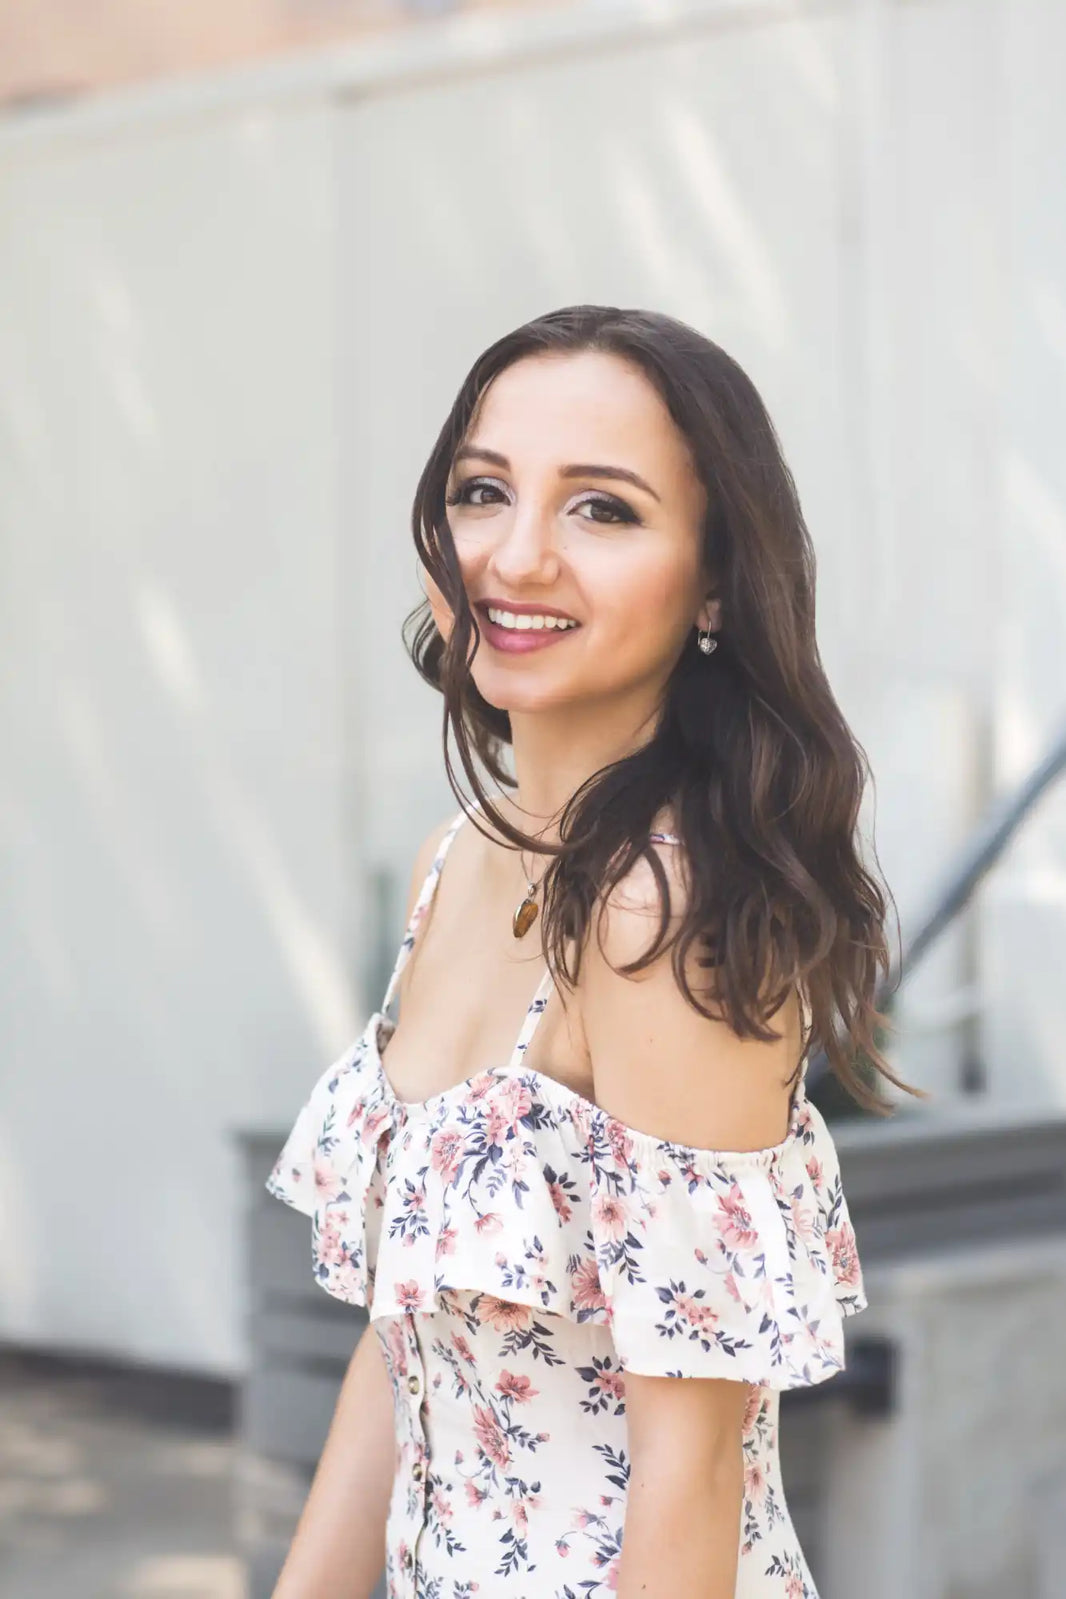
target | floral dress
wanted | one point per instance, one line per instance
(520, 1251)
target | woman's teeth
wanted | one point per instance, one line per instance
(524, 620)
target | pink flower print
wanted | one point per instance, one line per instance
(374, 1123)
(611, 1214)
(795, 1587)
(520, 1389)
(462, 1348)
(734, 1220)
(841, 1242)
(502, 1314)
(815, 1171)
(752, 1411)
(515, 1099)
(611, 1383)
(613, 1576)
(442, 1505)
(619, 1141)
(490, 1437)
(497, 1123)
(585, 1286)
(755, 1481)
(488, 1223)
(408, 1295)
(803, 1218)
(560, 1201)
(732, 1287)
(328, 1181)
(695, 1312)
(396, 1347)
(331, 1247)
(446, 1153)
(474, 1495)
(446, 1241)
(562, 1547)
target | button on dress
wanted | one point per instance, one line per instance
(520, 1251)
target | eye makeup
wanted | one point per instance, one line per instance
(621, 512)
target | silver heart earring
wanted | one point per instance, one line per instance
(706, 640)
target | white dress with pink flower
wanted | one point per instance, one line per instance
(519, 1251)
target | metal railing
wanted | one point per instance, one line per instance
(965, 874)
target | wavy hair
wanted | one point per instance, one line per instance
(752, 754)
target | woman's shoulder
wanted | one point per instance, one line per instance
(659, 1062)
(427, 851)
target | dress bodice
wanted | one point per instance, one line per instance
(520, 1250)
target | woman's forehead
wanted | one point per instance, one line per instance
(589, 405)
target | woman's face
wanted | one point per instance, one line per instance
(574, 496)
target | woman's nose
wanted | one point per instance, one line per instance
(527, 549)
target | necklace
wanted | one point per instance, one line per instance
(528, 910)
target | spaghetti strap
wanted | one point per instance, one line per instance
(538, 1004)
(421, 906)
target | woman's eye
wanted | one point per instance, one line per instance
(465, 493)
(617, 510)
(481, 492)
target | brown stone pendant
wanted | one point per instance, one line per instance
(524, 916)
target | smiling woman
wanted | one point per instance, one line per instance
(599, 1239)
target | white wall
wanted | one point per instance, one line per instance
(1024, 929)
(648, 176)
(177, 936)
(242, 312)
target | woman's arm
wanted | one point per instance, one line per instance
(338, 1551)
(686, 1487)
(661, 1067)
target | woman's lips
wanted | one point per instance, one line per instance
(520, 640)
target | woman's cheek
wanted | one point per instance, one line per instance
(438, 606)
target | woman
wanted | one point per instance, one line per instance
(596, 1244)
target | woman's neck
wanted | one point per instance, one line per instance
(555, 754)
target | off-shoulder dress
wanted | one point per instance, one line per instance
(520, 1251)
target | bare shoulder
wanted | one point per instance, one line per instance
(636, 899)
(423, 860)
(424, 856)
(658, 1064)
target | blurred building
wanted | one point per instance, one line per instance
(54, 49)
(237, 304)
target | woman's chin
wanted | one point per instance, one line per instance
(505, 692)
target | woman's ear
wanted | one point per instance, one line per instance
(710, 614)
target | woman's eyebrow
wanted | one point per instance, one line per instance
(579, 469)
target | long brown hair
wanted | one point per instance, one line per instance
(751, 751)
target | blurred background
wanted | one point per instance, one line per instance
(248, 249)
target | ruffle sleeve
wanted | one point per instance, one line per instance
(703, 1263)
(292, 1178)
(737, 1265)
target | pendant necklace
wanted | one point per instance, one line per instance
(528, 910)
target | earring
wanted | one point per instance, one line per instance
(706, 641)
